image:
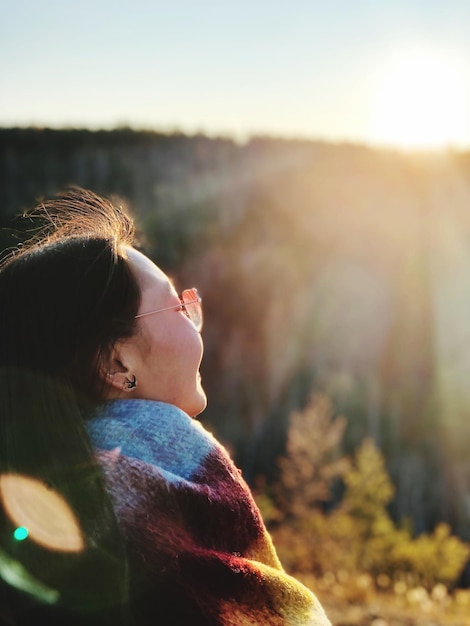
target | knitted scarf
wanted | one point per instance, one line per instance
(198, 549)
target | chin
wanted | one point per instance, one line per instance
(198, 405)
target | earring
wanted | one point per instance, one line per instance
(130, 384)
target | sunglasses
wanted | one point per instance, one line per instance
(190, 303)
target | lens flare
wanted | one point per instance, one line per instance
(40, 514)
(21, 533)
(16, 575)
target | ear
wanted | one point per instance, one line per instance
(117, 370)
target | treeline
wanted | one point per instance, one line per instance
(334, 268)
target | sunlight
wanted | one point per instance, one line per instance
(420, 103)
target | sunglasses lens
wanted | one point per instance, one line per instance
(192, 303)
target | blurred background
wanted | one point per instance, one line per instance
(307, 166)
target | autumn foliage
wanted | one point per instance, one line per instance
(357, 537)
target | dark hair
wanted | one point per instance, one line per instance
(66, 296)
(69, 294)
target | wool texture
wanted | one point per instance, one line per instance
(198, 550)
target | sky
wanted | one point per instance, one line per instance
(383, 72)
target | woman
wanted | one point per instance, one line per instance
(117, 505)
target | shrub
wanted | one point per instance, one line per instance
(358, 536)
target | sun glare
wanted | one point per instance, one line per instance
(421, 103)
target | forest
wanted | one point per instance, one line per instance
(336, 289)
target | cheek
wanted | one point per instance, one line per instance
(171, 350)
(186, 351)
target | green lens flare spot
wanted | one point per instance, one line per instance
(20, 533)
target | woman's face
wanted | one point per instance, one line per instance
(165, 353)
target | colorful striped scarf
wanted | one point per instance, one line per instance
(198, 550)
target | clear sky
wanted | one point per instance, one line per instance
(374, 71)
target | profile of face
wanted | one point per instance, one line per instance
(165, 353)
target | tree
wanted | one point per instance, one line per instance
(312, 461)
